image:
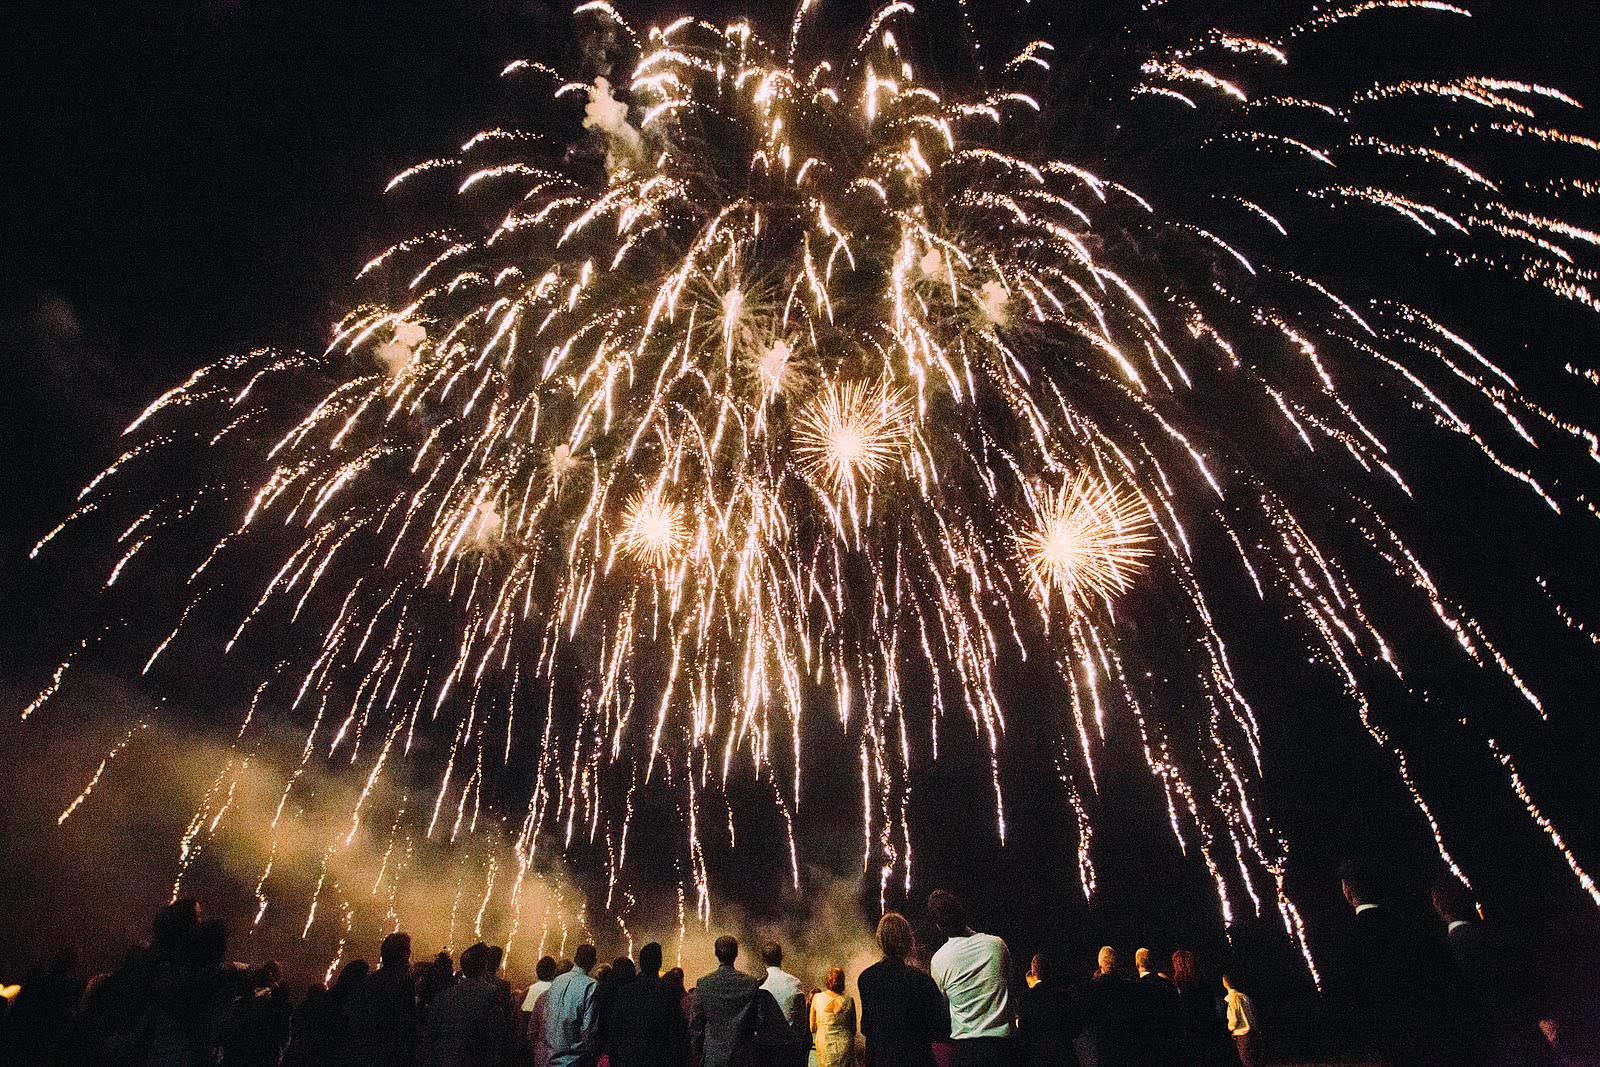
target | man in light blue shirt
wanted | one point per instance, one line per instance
(571, 1026)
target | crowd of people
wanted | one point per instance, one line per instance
(1400, 995)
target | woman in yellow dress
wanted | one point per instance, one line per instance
(833, 1022)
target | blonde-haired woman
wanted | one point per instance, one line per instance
(833, 1021)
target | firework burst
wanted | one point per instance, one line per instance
(1086, 540)
(848, 327)
(851, 434)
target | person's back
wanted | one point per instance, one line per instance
(1047, 1020)
(646, 1027)
(257, 1025)
(972, 970)
(1108, 1006)
(724, 1008)
(902, 1014)
(571, 1025)
(1389, 983)
(971, 973)
(381, 1018)
(1159, 1020)
(468, 1022)
(833, 1022)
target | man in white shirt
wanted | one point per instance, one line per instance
(532, 1012)
(973, 971)
(784, 987)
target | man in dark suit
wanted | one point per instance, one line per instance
(1388, 986)
(647, 1028)
(1496, 1006)
(1160, 1014)
(1107, 1006)
(725, 1010)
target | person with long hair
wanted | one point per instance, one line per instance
(902, 1013)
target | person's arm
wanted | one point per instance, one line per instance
(813, 1015)
(588, 1022)
(850, 1015)
(697, 1027)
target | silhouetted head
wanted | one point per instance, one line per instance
(894, 936)
(601, 975)
(563, 966)
(947, 913)
(726, 949)
(475, 960)
(395, 952)
(266, 975)
(1452, 901)
(1108, 959)
(173, 923)
(835, 980)
(1040, 967)
(650, 959)
(673, 980)
(623, 970)
(495, 956)
(585, 957)
(1361, 882)
(207, 945)
(545, 969)
(1228, 983)
(1183, 967)
(350, 976)
(1141, 960)
(772, 954)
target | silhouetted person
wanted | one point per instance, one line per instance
(1048, 1018)
(1108, 1005)
(381, 1014)
(317, 1030)
(114, 1013)
(973, 971)
(647, 1028)
(467, 1024)
(38, 1028)
(1160, 1025)
(725, 1010)
(438, 975)
(902, 1010)
(1495, 1005)
(1388, 984)
(185, 1020)
(674, 980)
(1205, 1039)
(571, 1023)
(257, 1026)
(615, 978)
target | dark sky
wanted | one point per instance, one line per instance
(184, 179)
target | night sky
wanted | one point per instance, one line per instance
(187, 179)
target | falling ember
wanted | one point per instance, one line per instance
(1088, 539)
(851, 433)
(652, 530)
